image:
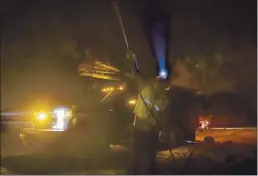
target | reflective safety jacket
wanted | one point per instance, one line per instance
(154, 102)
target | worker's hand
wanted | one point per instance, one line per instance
(131, 55)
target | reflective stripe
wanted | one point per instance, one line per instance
(244, 128)
(148, 101)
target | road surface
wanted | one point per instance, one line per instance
(244, 142)
(239, 135)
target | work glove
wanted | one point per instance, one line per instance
(131, 56)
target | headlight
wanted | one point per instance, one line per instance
(61, 115)
(41, 116)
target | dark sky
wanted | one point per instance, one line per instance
(43, 40)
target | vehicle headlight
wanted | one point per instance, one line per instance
(41, 116)
(61, 115)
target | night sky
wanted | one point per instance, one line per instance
(43, 41)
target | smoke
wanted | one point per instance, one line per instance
(182, 76)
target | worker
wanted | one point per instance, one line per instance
(151, 101)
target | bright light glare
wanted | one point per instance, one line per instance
(42, 116)
(121, 88)
(204, 124)
(132, 102)
(163, 74)
(60, 114)
(107, 89)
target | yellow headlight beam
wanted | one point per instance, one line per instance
(41, 116)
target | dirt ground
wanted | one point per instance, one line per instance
(234, 148)
(245, 135)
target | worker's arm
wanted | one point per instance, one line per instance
(135, 70)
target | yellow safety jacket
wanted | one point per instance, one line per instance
(154, 103)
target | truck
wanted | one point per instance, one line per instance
(183, 111)
(30, 122)
(115, 111)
